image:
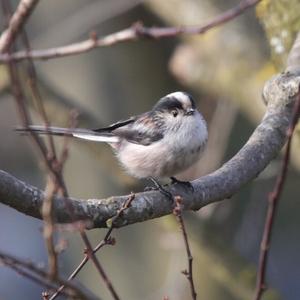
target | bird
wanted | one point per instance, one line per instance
(160, 143)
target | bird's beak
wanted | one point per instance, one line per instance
(190, 111)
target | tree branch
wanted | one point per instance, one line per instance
(40, 276)
(108, 240)
(133, 33)
(273, 200)
(188, 273)
(16, 23)
(274, 196)
(264, 144)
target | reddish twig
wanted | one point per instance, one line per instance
(89, 250)
(16, 23)
(91, 255)
(25, 273)
(32, 79)
(188, 273)
(133, 33)
(47, 206)
(52, 166)
(38, 275)
(56, 173)
(47, 209)
(47, 212)
(106, 241)
(65, 149)
(111, 223)
(273, 200)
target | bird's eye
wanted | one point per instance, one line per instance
(174, 113)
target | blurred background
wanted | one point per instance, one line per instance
(224, 70)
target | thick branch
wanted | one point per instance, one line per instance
(264, 144)
(293, 65)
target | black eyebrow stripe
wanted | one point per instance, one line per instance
(191, 99)
(168, 103)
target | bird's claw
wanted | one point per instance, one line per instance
(159, 187)
(186, 184)
(149, 188)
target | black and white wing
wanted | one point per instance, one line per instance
(145, 130)
(138, 130)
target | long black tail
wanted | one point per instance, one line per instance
(40, 129)
(81, 133)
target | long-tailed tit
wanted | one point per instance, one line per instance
(159, 143)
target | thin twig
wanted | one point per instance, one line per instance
(16, 22)
(111, 223)
(27, 274)
(47, 209)
(32, 79)
(273, 200)
(90, 254)
(188, 273)
(106, 241)
(47, 203)
(89, 250)
(73, 275)
(133, 33)
(65, 149)
(56, 172)
(47, 212)
(38, 275)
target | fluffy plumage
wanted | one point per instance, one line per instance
(160, 143)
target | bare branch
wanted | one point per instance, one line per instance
(32, 79)
(51, 189)
(55, 169)
(273, 201)
(23, 11)
(188, 273)
(133, 33)
(264, 144)
(48, 231)
(38, 275)
(106, 241)
(293, 65)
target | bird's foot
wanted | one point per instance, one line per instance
(160, 188)
(149, 188)
(187, 184)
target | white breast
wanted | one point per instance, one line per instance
(169, 156)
